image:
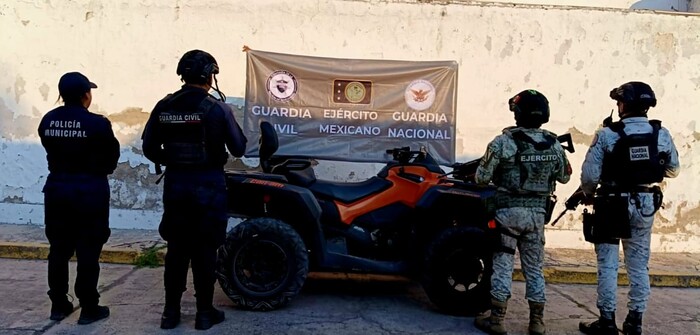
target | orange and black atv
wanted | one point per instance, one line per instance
(412, 219)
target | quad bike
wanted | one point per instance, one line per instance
(411, 219)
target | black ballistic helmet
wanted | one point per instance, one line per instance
(531, 108)
(634, 93)
(197, 66)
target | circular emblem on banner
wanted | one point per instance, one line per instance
(355, 92)
(282, 85)
(420, 94)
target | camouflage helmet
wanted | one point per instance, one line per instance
(530, 107)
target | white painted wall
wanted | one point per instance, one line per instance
(664, 5)
(130, 49)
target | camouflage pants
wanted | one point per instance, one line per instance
(522, 228)
(636, 251)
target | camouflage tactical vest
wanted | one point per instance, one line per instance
(530, 178)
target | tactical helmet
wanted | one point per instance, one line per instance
(531, 108)
(197, 66)
(634, 93)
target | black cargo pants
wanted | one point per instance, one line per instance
(194, 225)
(76, 210)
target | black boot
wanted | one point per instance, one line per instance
(170, 318)
(60, 309)
(93, 313)
(171, 313)
(632, 324)
(605, 325)
(207, 318)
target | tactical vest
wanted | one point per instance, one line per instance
(530, 178)
(184, 134)
(635, 158)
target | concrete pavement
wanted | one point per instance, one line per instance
(564, 266)
(324, 306)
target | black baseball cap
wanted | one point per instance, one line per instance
(74, 84)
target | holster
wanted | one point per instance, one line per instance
(589, 230)
(609, 221)
(549, 208)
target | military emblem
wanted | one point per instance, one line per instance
(352, 91)
(355, 92)
(420, 94)
(282, 85)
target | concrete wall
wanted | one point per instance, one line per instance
(664, 5)
(130, 49)
(694, 6)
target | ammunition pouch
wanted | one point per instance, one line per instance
(609, 221)
(185, 153)
(508, 200)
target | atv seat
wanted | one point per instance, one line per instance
(256, 175)
(349, 192)
(298, 171)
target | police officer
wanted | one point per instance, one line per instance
(188, 132)
(81, 151)
(524, 162)
(627, 159)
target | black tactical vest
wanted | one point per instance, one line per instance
(635, 158)
(184, 134)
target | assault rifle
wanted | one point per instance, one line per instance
(577, 197)
(566, 142)
(571, 203)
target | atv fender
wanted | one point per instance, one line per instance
(251, 197)
(262, 265)
(442, 206)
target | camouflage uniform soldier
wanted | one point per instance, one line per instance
(525, 162)
(630, 172)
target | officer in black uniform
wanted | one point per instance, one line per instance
(81, 151)
(188, 132)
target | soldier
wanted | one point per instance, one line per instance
(625, 162)
(524, 163)
(81, 151)
(188, 132)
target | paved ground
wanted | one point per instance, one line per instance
(325, 306)
(565, 266)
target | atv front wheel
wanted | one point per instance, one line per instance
(457, 271)
(262, 265)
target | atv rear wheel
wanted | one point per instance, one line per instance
(457, 271)
(263, 264)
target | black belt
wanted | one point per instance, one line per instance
(632, 189)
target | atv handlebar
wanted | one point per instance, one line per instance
(465, 171)
(405, 155)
